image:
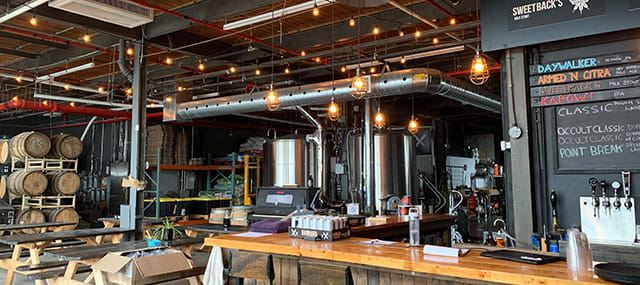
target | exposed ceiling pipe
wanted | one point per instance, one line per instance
(122, 62)
(424, 20)
(83, 101)
(66, 71)
(417, 80)
(24, 7)
(48, 82)
(51, 106)
(203, 23)
(278, 14)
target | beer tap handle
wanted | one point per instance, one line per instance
(605, 200)
(626, 186)
(616, 202)
(594, 198)
(554, 209)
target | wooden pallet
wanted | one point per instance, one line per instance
(43, 164)
(42, 202)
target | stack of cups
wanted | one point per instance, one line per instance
(579, 256)
(321, 223)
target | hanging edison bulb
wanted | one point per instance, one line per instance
(316, 10)
(352, 21)
(358, 86)
(273, 103)
(378, 120)
(334, 111)
(413, 126)
(479, 70)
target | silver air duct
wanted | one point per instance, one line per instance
(122, 62)
(417, 80)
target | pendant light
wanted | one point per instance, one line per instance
(201, 66)
(378, 119)
(479, 70)
(33, 21)
(352, 21)
(413, 123)
(358, 84)
(130, 51)
(316, 10)
(273, 102)
(334, 111)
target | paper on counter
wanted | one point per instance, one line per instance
(253, 234)
(378, 242)
(445, 251)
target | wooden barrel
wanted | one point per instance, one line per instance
(24, 182)
(4, 151)
(30, 144)
(62, 215)
(217, 215)
(239, 215)
(65, 146)
(3, 186)
(63, 183)
(30, 216)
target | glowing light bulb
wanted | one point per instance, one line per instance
(343, 69)
(417, 34)
(168, 99)
(33, 21)
(273, 103)
(15, 98)
(435, 40)
(180, 88)
(19, 78)
(318, 59)
(479, 70)
(232, 69)
(359, 87)
(403, 60)
(372, 69)
(100, 89)
(376, 30)
(359, 83)
(67, 87)
(379, 120)
(333, 112)
(45, 102)
(316, 10)
(201, 66)
(452, 21)
(352, 22)
(286, 70)
(129, 91)
(168, 60)
(413, 126)
(258, 72)
(400, 33)
(72, 104)
(86, 38)
(302, 53)
(130, 51)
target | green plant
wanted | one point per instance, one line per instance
(166, 226)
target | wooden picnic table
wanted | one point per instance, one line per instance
(211, 229)
(89, 255)
(18, 227)
(37, 243)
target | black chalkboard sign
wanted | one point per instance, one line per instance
(598, 136)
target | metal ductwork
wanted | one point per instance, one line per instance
(417, 80)
(122, 62)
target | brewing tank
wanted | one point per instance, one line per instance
(394, 166)
(289, 161)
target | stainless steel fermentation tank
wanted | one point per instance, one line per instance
(394, 164)
(289, 161)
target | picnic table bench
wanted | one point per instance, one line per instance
(37, 243)
(43, 226)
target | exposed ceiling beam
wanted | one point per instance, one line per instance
(31, 40)
(208, 10)
(24, 7)
(83, 23)
(18, 53)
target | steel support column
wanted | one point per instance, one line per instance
(367, 161)
(138, 135)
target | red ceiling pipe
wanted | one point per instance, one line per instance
(493, 68)
(53, 39)
(52, 106)
(452, 16)
(249, 38)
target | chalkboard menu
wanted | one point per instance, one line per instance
(598, 136)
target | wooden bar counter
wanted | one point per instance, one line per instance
(397, 263)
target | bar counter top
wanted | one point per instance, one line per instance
(399, 256)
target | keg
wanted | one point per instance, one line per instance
(25, 182)
(29, 144)
(63, 183)
(65, 146)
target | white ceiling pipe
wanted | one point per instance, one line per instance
(21, 9)
(408, 57)
(66, 71)
(276, 14)
(117, 106)
(51, 82)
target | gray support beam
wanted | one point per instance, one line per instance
(207, 11)
(18, 53)
(31, 40)
(138, 136)
(367, 161)
(515, 113)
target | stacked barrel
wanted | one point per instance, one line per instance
(47, 187)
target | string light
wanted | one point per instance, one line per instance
(19, 78)
(452, 21)
(232, 69)
(376, 30)
(343, 69)
(286, 70)
(403, 59)
(333, 112)
(435, 40)
(67, 87)
(316, 10)
(15, 98)
(100, 89)
(302, 53)
(417, 34)
(130, 51)
(358, 86)
(258, 72)
(168, 99)
(413, 126)
(479, 70)
(45, 102)
(86, 38)
(201, 66)
(72, 104)
(273, 103)
(180, 88)
(352, 21)
(129, 91)
(379, 120)
(33, 21)
(400, 32)
(372, 69)
(318, 60)
(168, 60)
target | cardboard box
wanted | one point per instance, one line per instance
(118, 268)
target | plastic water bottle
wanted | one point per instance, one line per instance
(414, 227)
